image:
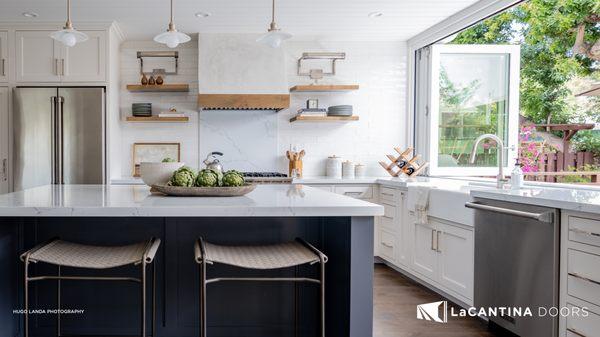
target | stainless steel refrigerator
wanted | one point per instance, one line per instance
(58, 136)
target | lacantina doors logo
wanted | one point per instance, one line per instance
(438, 312)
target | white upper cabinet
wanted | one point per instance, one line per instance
(38, 57)
(86, 61)
(4, 64)
(42, 59)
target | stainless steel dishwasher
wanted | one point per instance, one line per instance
(517, 263)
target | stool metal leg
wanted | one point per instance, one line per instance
(322, 298)
(143, 286)
(58, 303)
(153, 300)
(203, 328)
(26, 297)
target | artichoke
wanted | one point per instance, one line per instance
(168, 160)
(184, 176)
(219, 177)
(233, 178)
(207, 178)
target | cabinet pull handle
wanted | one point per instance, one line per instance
(584, 278)
(56, 67)
(62, 67)
(3, 67)
(387, 194)
(581, 231)
(387, 245)
(353, 193)
(437, 243)
(575, 332)
(432, 240)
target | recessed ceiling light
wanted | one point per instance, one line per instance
(202, 14)
(30, 15)
(375, 14)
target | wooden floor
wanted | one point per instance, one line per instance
(396, 299)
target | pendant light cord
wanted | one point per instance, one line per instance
(171, 24)
(273, 12)
(68, 24)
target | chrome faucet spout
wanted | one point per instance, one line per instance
(500, 145)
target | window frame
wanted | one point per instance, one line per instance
(513, 52)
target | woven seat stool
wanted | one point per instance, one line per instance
(67, 254)
(291, 254)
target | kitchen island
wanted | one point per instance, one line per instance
(340, 226)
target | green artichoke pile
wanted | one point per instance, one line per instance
(184, 176)
(168, 160)
(233, 178)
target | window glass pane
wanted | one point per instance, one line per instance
(473, 101)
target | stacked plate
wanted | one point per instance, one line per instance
(141, 109)
(340, 110)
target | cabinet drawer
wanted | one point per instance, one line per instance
(387, 245)
(387, 194)
(579, 325)
(327, 188)
(583, 280)
(359, 192)
(584, 230)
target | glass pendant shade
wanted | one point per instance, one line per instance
(172, 38)
(69, 37)
(274, 38)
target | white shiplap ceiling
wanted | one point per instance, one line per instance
(305, 19)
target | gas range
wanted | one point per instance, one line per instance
(267, 177)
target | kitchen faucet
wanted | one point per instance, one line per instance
(500, 180)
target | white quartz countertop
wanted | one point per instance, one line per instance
(134, 200)
(386, 181)
(563, 198)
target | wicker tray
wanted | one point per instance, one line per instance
(180, 191)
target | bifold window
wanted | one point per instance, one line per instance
(464, 91)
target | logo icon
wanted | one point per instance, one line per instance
(431, 311)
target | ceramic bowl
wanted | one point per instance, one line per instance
(157, 173)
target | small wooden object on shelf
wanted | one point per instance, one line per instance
(163, 88)
(324, 87)
(301, 118)
(403, 163)
(157, 119)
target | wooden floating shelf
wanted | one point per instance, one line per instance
(323, 119)
(158, 88)
(324, 88)
(157, 119)
(276, 102)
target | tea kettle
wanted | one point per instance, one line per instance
(212, 162)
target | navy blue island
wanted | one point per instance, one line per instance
(339, 226)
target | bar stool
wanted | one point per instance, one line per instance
(68, 254)
(291, 254)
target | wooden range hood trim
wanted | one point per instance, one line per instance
(275, 102)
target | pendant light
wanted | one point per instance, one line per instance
(68, 35)
(275, 36)
(172, 38)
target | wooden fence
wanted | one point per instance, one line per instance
(554, 165)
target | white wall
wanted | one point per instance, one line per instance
(378, 67)
(184, 133)
(380, 70)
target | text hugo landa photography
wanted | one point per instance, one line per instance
(49, 311)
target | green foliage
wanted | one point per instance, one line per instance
(168, 160)
(579, 179)
(587, 140)
(546, 31)
(454, 96)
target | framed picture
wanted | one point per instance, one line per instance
(312, 104)
(154, 152)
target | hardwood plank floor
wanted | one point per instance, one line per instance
(396, 299)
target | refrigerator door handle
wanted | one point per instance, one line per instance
(59, 147)
(53, 136)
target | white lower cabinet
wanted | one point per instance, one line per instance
(4, 140)
(580, 274)
(443, 252)
(4, 64)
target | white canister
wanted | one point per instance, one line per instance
(348, 170)
(360, 171)
(334, 167)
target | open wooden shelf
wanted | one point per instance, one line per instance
(302, 118)
(158, 88)
(324, 88)
(157, 119)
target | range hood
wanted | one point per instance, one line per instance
(236, 73)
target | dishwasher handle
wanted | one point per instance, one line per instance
(547, 217)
